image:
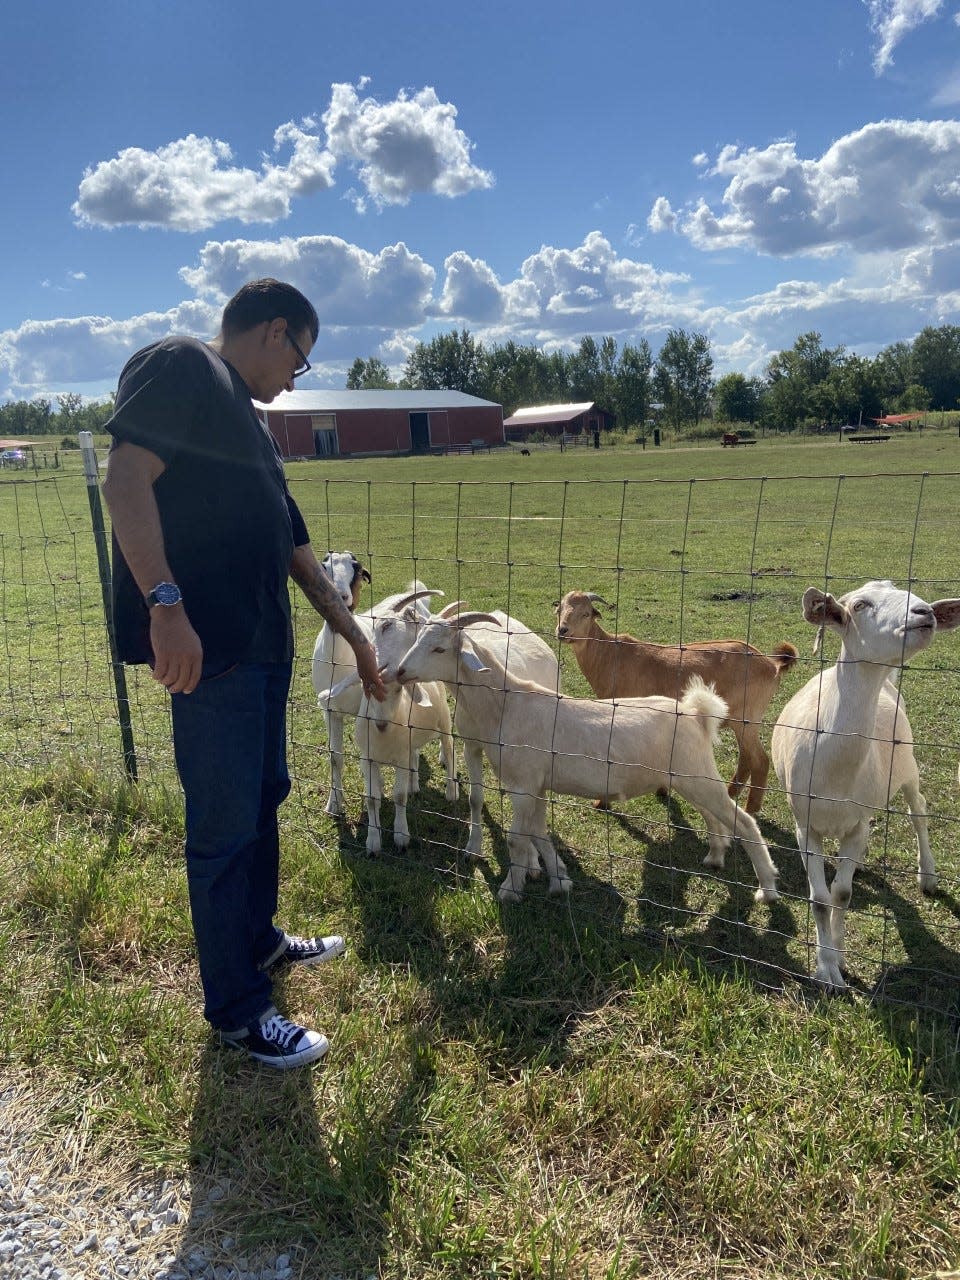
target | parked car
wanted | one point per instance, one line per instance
(13, 458)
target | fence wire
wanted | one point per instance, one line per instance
(678, 562)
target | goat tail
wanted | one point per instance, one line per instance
(784, 655)
(702, 700)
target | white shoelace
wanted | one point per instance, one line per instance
(279, 1030)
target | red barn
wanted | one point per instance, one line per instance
(558, 420)
(332, 424)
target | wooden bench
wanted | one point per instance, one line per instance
(868, 439)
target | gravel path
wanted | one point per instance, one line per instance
(59, 1227)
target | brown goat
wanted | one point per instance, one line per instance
(620, 666)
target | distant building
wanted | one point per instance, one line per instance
(557, 419)
(334, 424)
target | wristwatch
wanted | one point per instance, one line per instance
(165, 593)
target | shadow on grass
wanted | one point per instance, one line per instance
(267, 1179)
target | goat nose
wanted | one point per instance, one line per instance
(561, 631)
(400, 673)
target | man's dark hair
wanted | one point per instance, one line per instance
(265, 300)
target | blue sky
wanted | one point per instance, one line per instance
(751, 170)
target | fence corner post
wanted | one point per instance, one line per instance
(92, 476)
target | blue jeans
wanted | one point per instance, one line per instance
(229, 739)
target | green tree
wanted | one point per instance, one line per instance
(936, 364)
(633, 387)
(369, 375)
(736, 398)
(451, 362)
(894, 371)
(70, 403)
(914, 399)
(792, 376)
(683, 376)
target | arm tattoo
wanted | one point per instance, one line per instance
(322, 594)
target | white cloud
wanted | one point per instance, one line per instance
(662, 217)
(398, 148)
(187, 185)
(85, 350)
(890, 185)
(892, 20)
(471, 291)
(347, 285)
(382, 303)
(402, 147)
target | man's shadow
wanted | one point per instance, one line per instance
(256, 1134)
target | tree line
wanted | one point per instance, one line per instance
(805, 385)
(38, 418)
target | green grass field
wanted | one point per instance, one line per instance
(637, 1082)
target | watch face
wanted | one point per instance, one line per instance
(166, 593)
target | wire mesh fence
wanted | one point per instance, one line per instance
(675, 562)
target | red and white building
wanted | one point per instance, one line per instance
(337, 424)
(557, 420)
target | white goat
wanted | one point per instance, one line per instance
(522, 653)
(334, 660)
(395, 731)
(843, 748)
(537, 741)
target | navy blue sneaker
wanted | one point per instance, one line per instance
(306, 951)
(277, 1042)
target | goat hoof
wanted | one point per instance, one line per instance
(508, 895)
(601, 804)
(562, 885)
(928, 881)
(714, 860)
(452, 792)
(332, 807)
(770, 894)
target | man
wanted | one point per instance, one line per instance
(205, 535)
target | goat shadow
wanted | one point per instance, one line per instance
(680, 903)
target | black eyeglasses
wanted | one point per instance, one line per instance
(304, 365)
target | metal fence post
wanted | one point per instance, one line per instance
(91, 474)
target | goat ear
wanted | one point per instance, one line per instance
(324, 699)
(947, 614)
(472, 661)
(555, 606)
(418, 695)
(823, 609)
(365, 575)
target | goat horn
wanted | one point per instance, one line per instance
(468, 619)
(450, 609)
(592, 595)
(399, 605)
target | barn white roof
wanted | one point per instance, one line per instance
(549, 413)
(330, 401)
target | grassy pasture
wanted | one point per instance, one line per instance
(591, 1088)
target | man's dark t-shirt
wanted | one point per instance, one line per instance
(229, 523)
